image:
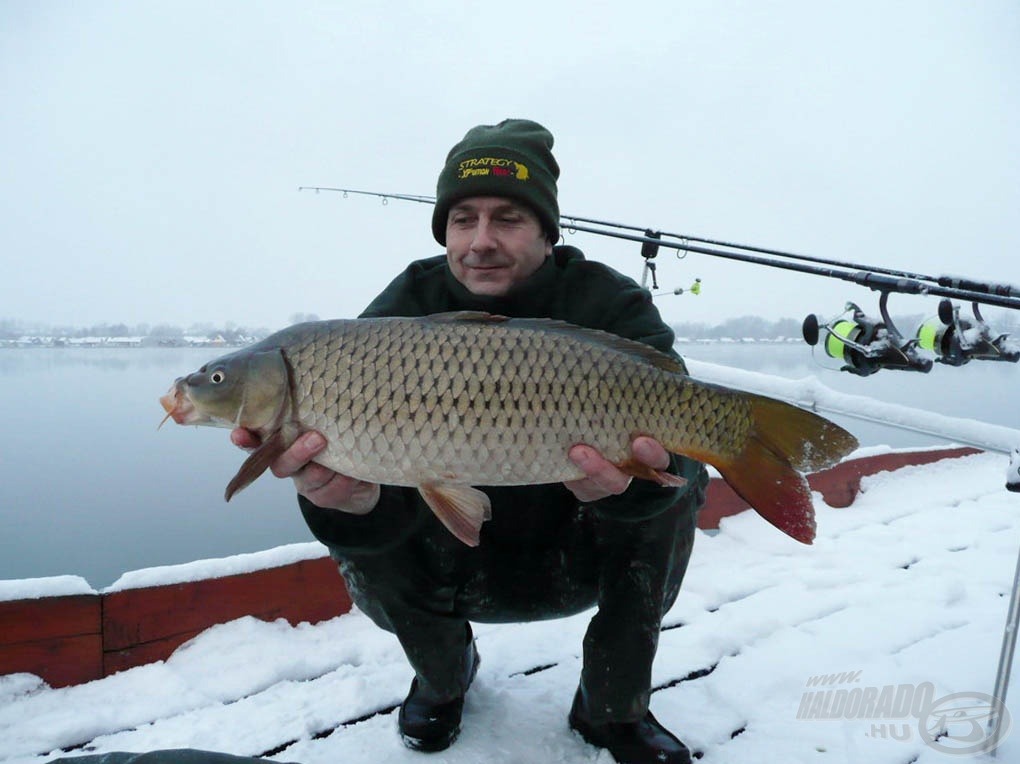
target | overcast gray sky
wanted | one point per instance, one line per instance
(152, 151)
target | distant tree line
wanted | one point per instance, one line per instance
(11, 329)
(744, 327)
(757, 328)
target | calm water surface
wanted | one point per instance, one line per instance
(89, 487)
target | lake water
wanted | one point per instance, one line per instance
(89, 487)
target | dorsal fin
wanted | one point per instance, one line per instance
(473, 316)
(640, 350)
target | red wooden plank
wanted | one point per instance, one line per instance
(311, 590)
(720, 501)
(60, 661)
(139, 655)
(49, 617)
(838, 485)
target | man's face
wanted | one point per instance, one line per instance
(493, 243)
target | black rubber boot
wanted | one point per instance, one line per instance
(429, 723)
(642, 742)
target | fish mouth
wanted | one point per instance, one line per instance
(178, 405)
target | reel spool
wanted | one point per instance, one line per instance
(955, 340)
(865, 345)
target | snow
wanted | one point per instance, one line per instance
(166, 575)
(200, 570)
(908, 586)
(36, 588)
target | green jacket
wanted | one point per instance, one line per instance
(565, 287)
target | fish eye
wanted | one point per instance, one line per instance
(217, 376)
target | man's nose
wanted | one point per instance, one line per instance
(484, 238)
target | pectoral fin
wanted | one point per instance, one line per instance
(256, 463)
(461, 508)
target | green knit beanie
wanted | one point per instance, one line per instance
(512, 159)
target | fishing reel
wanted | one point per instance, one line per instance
(956, 340)
(866, 345)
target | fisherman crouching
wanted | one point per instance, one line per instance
(549, 550)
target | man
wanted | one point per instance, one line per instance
(549, 550)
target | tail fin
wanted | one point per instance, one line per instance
(808, 441)
(783, 439)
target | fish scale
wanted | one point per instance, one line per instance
(445, 403)
(458, 400)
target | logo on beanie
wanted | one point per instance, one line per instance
(494, 166)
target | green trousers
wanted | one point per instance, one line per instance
(427, 592)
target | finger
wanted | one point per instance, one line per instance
(601, 473)
(651, 452)
(585, 491)
(344, 493)
(313, 478)
(299, 454)
(243, 438)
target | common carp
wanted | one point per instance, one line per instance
(456, 400)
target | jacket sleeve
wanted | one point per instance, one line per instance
(406, 294)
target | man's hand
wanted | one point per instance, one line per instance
(318, 484)
(603, 478)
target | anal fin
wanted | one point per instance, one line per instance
(635, 468)
(461, 508)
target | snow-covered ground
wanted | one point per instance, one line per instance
(907, 590)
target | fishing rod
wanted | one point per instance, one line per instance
(385, 197)
(877, 278)
(653, 237)
(746, 247)
(954, 282)
(864, 344)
